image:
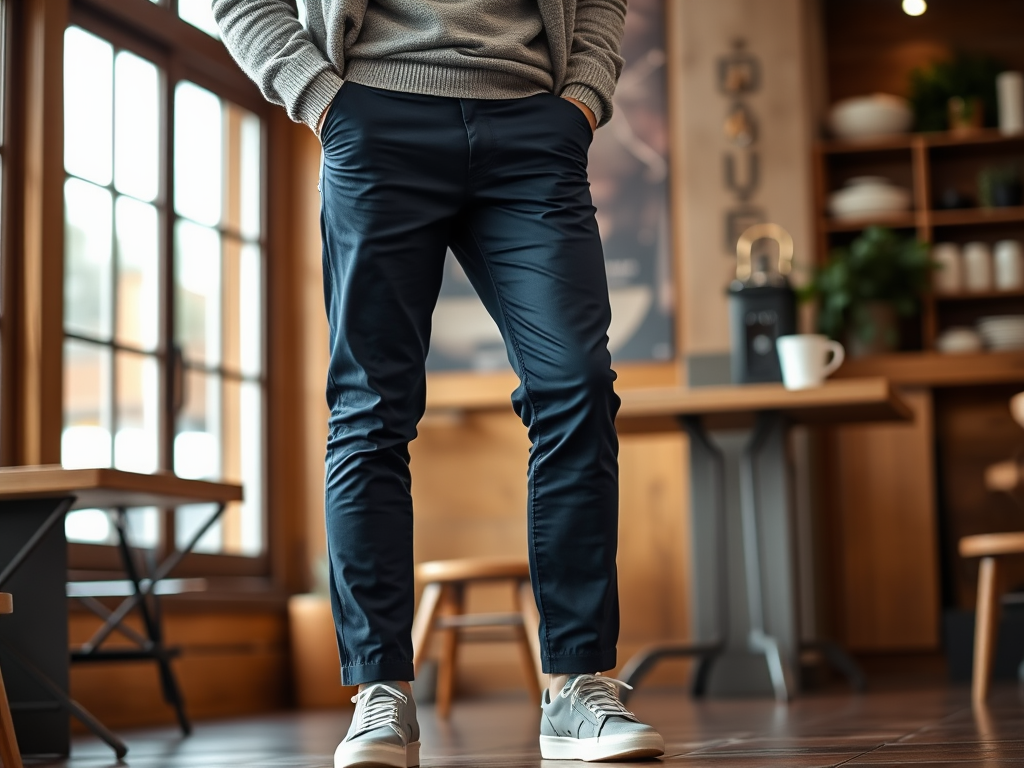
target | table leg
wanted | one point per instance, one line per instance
(144, 590)
(758, 639)
(154, 627)
(708, 496)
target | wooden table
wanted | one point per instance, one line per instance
(749, 483)
(740, 503)
(33, 566)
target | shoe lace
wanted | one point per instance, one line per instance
(600, 695)
(377, 707)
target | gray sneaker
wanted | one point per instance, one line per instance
(586, 721)
(384, 732)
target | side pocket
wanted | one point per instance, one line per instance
(325, 129)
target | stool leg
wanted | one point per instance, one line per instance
(423, 626)
(531, 628)
(451, 605)
(8, 741)
(526, 647)
(986, 628)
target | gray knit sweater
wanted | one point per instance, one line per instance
(301, 67)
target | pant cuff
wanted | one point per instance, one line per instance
(578, 664)
(357, 674)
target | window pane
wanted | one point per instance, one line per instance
(87, 259)
(240, 448)
(242, 308)
(197, 445)
(250, 278)
(198, 150)
(199, 13)
(89, 526)
(220, 435)
(96, 526)
(138, 413)
(138, 274)
(241, 205)
(137, 130)
(187, 522)
(85, 441)
(250, 538)
(88, 105)
(251, 164)
(197, 292)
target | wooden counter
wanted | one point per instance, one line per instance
(933, 369)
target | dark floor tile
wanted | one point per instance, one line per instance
(975, 753)
(822, 759)
(916, 727)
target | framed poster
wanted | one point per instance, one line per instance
(629, 180)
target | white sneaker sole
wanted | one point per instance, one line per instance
(626, 746)
(368, 754)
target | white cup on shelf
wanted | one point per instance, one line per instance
(805, 359)
(1009, 265)
(977, 267)
(1010, 95)
(949, 274)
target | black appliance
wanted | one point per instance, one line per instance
(762, 306)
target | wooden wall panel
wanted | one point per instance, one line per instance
(774, 33)
(882, 500)
(872, 45)
(231, 664)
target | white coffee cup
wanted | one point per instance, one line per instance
(1010, 95)
(1009, 265)
(804, 359)
(949, 277)
(977, 267)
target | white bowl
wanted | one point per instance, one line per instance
(867, 196)
(959, 340)
(869, 117)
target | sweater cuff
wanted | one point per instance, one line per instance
(318, 97)
(588, 96)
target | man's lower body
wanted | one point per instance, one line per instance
(503, 183)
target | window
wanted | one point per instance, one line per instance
(163, 287)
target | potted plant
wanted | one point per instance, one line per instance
(865, 287)
(999, 186)
(958, 94)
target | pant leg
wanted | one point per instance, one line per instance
(529, 242)
(393, 175)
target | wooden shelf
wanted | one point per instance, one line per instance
(968, 216)
(906, 220)
(924, 162)
(909, 140)
(980, 296)
(933, 369)
(910, 219)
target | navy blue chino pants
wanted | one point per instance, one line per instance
(503, 183)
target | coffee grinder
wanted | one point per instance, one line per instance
(762, 306)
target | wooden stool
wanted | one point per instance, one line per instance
(8, 741)
(441, 610)
(990, 548)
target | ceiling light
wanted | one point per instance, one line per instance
(914, 7)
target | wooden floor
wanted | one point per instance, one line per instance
(931, 727)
